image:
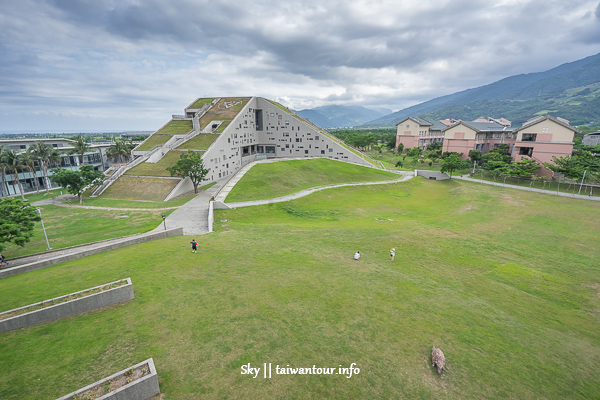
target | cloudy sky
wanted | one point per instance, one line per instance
(102, 65)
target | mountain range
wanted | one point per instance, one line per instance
(336, 116)
(570, 91)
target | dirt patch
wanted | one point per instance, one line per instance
(113, 384)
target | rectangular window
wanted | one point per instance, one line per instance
(286, 134)
(331, 150)
(526, 151)
(316, 138)
(305, 151)
(322, 151)
(529, 137)
(287, 146)
(270, 149)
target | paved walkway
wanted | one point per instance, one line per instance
(529, 189)
(193, 215)
(405, 175)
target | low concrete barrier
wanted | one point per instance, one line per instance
(138, 389)
(4, 273)
(434, 175)
(104, 298)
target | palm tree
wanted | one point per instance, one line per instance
(3, 168)
(28, 158)
(80, 146)
(119, 150)
(42, 151)
(14, 161)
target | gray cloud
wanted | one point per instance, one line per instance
(122, 57)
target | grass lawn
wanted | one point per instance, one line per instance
(71, 226)
(505, 282)
(159, 168)
(154, 140)
(176, 127)
(265, 181)
(200, 142)
(201, 102)
(136, 188)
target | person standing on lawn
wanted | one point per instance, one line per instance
(393, 253)
(194, 245)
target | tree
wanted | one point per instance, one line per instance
(400, 148)
(3, 169)
(434, 146)
(29, 160)
(524, 168)
(475, 155)
(120, 149)
(190, 165)
(80, 147)
(452, 163)
(499, 153)
(399, 164)
(14, 161)
(46, 154)
(77, 181)
(17, 220)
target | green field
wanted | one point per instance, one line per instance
(266, 181)
(505, 282)
(72, 226)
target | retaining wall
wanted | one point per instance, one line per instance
(76, 306)
(434, 175)
(4, 273)
(140, 389)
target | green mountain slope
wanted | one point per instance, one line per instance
(570, 90)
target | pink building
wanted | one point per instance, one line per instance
(540, 138)
(462, 137)
(418, 132)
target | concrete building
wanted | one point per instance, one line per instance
(462, 137)
(248, 129)
(419, 132)
(96, 157)
(540, 138)
(591, 139)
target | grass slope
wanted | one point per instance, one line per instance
(152, 141)
(159, 168)
(72, 226)
(505, 282)
(265, 181)
(136, 188)
(200, 142)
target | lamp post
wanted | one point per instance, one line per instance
(164, 222)
(44, 229)
(581, 182)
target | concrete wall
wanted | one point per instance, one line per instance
(4, 273)
(101, 299)
(433, 175)
(211, 216)
(182, 187)
(140, 389)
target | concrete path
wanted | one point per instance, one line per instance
(551, 192)
(193, 215)
(406, 175)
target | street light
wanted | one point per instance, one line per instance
(44, 229)
(581, 182)
(164, 222)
